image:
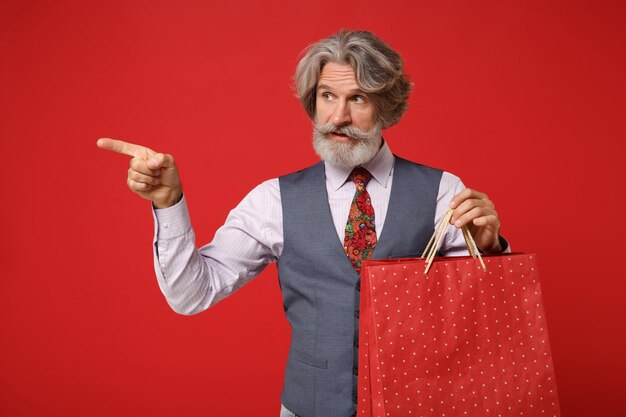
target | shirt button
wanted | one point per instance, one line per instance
(166, 225)
(163, 266)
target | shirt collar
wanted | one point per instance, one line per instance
(380, 166)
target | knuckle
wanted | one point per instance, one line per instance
(132, 185)
(137, 165)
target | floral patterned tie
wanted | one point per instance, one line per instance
(360, 237)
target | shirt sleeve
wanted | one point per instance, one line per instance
(453, 242)
(193, 279)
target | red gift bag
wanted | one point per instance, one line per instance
(454, 337)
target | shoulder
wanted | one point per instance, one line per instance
(414, 166)
(449, 181)
(312, 170)
(263, 194)
(419, 175)
(449, 186)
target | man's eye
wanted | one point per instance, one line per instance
(359, 99)
(327, 96)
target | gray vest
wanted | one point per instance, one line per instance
(321, 289)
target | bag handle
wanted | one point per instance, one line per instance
(435, 242)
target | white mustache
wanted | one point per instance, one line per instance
(351, 131)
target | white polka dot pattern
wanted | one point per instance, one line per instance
(456, 342)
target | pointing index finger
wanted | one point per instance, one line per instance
(122, 147)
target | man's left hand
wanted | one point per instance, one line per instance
(474, 210)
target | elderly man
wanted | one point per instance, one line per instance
(318, 224)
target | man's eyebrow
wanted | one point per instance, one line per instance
(354, 91)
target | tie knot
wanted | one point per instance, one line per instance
(360, 176)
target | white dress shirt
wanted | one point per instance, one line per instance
(194, 279)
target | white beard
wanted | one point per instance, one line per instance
(362, 146)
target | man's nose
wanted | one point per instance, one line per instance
(341, 114)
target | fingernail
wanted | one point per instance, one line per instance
(457, 223)
(452, 204)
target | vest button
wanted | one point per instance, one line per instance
(356, 313)
(358, 285)
(355, 371)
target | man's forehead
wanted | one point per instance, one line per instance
(334, 75)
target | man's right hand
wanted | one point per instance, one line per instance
(152, 175)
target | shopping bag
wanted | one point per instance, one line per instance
(462, 336)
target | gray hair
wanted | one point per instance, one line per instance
(378, 70)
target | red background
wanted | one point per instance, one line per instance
(523, 100)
